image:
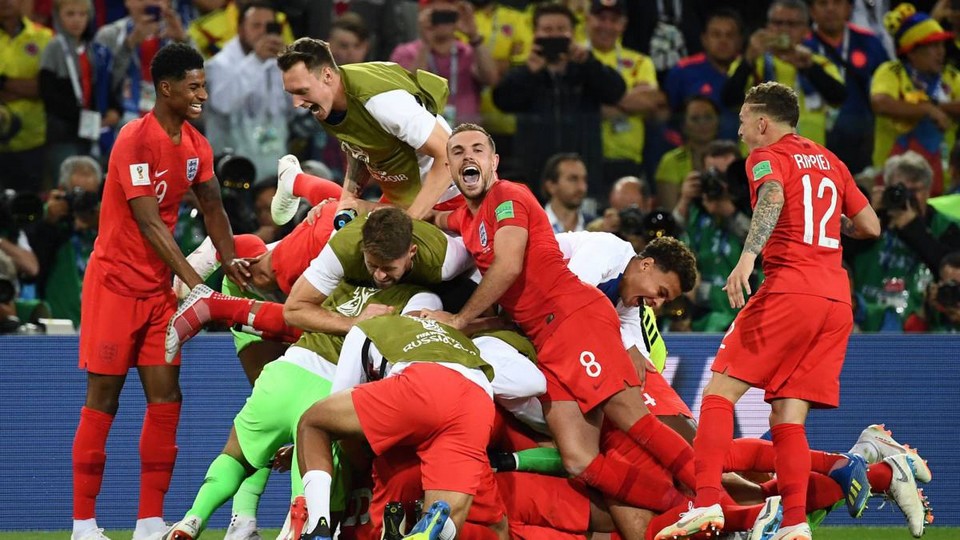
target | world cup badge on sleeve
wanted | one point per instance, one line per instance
(192, 165)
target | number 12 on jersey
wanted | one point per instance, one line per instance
(825, 184)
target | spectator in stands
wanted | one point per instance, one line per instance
(891, 273)
(349, 39)
(22, 118)
(64, 238)
(218, 24)
(13, 241)
(72, 66)
(701, 120)
(666, 30)
(466, 66)
(391, 22)
(857, 52)
(627, 192)
(623, 123)
(262, 193)
(775, 53)
(941, 307)
(870, 16)
(248, 110)
(133, 41)
(564, 184)
(916, 97)
(704, 74)
(557, 95)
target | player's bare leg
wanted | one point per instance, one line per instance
(158, 443)
(258, 354)
(631, 521)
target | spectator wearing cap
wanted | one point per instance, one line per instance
(564, 184)
(701, 121)
(623, 124)
(916, 97)
(248, 109)
(557, 95)
(22, 117)
(466, 66)
(705, 73)
(857, 53)
(776, 53)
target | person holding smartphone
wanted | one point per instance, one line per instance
(557, 95)
(248, 109)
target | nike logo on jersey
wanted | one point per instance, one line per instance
(161, 173)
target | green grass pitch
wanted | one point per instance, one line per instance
(823, 533)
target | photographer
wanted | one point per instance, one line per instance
(64, 238)
(716, 228)
(16, 209)
(557, 95)
(941, 308)
(890, 273)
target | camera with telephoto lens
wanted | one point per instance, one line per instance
(713, 184)
(896, 197)
(234, 171)
(8, 290)
(17, 210)
(81, 201)
(948, 294)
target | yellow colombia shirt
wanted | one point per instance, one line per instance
(506, 32)
(20, 59)
(893, 79)
(813, 112)
(211, 31)
(674, 166)
(624, 138)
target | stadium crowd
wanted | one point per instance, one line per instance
(662, 140)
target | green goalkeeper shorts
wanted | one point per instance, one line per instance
(241, 340)
(269, 418)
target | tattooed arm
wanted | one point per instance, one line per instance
(765, 217)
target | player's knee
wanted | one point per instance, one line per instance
(311, 418)
(501, 529)
(104, 403)
(575, 462)
(171, 395)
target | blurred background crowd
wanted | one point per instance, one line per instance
(621, 115)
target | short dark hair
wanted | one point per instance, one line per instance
(551, 169)
(353, 23)
(173, 61)
(467, 126)
(725, 13)
(387, 233)
(549, 8)
(722, 147)
(314, 53)
(699, 98)
(951, 259)
(244, 7)
(672, 255)
(777, 100)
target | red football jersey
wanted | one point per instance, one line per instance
(145, 162)
(546, 291)
(803, 254)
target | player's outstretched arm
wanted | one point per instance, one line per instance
(146, 212)
(765, 217)
(438, 177)
(511, 242)
(863, 226)
(218, 228)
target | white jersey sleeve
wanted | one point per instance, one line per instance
(421, 301)
(398, 112)
(457, 259)
(595, 257)
(350, 365)
(325, 271)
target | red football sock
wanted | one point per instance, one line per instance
(757, 455)
(315, 189)
(740, 518)
(712, 444)
(229, 308)
(880, 476)
(88, 459)
(158, 453)
(822, 491)
(793, 470)
(269, 321)
(631, 485)
(666, 446)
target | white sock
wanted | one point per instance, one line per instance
(449, 531)
(84, 525)
(150, 525)
(316, 488)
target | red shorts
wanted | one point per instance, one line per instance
(397, 478)
(546, 502)
(791, 345)
(293, 254)
(584, 359)
(661, 399)
(120, 332)
(512, 435)
(437, 411)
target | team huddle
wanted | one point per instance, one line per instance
(444, 365)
